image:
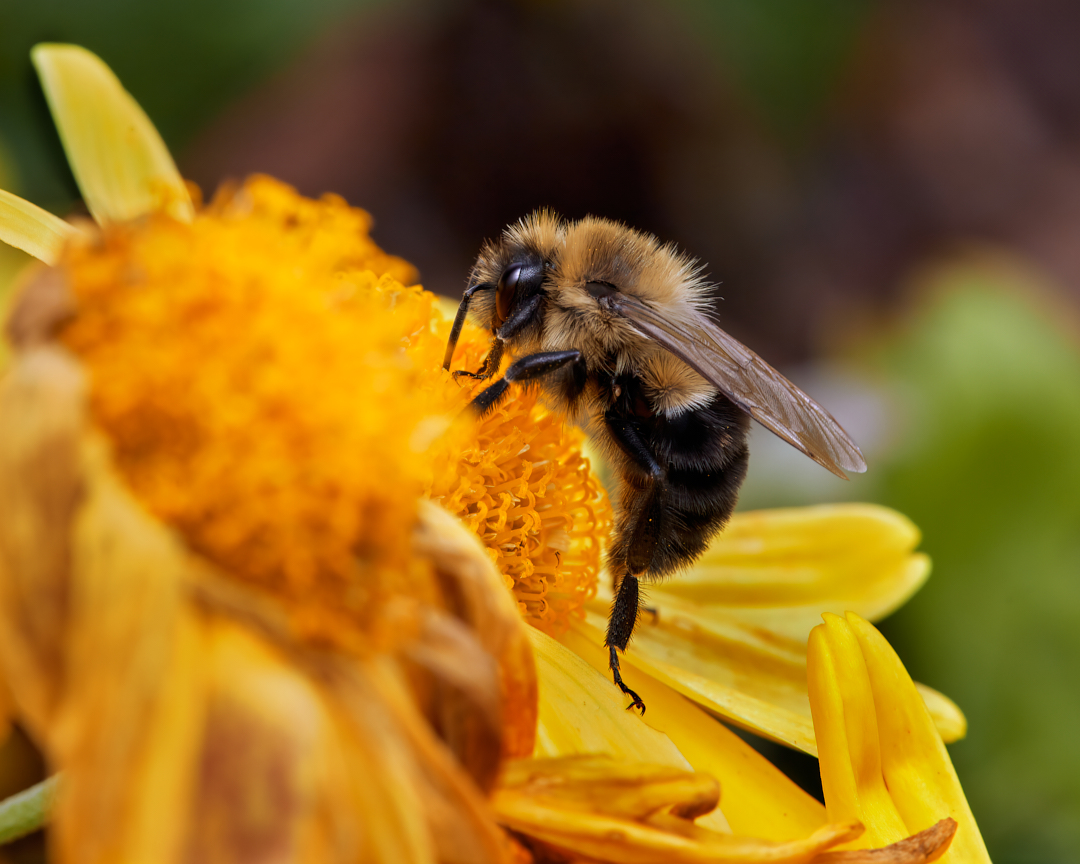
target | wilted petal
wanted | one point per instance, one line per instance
(43, 303)
(39, 464)
(882, 760)
(284, 776)
(926, 846)
(26, 226)
(178, 729)
(459, 820)
(475, 593)
(256, 778)
(102, 659)
(122, 166)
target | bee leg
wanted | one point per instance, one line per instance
(640, 530)
(619, 630)
(525, 369)
(459, 320)
(491, 363)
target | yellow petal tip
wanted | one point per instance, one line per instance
(119, 160)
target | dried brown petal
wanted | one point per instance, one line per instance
(928, 845)
(377, 704)
(465, 707)
(475, 593)
(41, 399)
(42, 306)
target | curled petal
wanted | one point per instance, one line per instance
(122, 166)
(882, 759)
(475, 594)
(37, 232)
(559, 814)
(926, 846)
(40, 468)
(466, 707)
(601, 784)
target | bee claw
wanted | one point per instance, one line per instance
(637, 703)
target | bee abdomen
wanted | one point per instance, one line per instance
(704, 457)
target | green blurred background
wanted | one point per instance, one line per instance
(888, 193)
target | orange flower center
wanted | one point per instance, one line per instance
(273, 390)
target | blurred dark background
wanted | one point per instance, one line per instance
(887, 192)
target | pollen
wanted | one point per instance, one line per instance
(270, 383)
(524, 487)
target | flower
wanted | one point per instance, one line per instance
(233, 615)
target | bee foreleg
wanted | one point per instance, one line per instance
(624, 612)
(491, 363)
(459, 320)
(525, 369)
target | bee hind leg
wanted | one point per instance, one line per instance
(620, 628)
(643, 524)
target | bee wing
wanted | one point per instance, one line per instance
(749, 382)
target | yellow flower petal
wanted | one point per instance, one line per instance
(882, 760)
(780, 569)
(731, 633)
(743, 675)
(629, 789)
(758, 799)
(634, 813)
(847, 734)
(117, 156)
(580, 713)
(26, 226)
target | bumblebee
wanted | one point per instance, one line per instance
(613, 327)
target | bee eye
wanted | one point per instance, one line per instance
(504, 294)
